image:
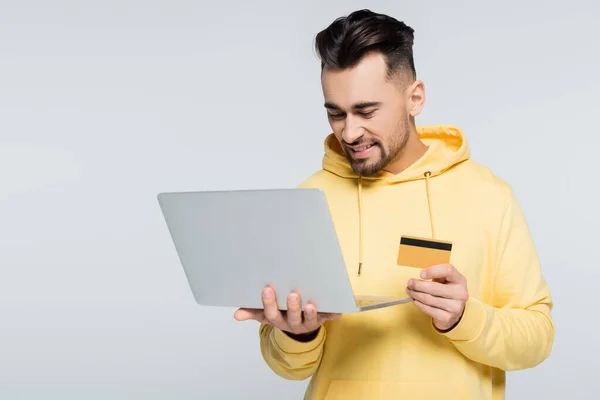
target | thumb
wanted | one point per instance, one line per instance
(244, 314)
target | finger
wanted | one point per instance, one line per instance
(441, 303)
(433, 312)
(311, 318)
(448, 291)
(271, 311)
(442, 271)
(294, 311)
(244, 314)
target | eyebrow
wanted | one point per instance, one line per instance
(358, 106)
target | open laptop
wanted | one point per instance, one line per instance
(232, 244)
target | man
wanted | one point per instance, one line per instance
(485, 313)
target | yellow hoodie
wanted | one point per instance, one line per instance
(395, 352)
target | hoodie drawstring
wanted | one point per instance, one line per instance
(427, 175)
(360, 227)
(360, 218)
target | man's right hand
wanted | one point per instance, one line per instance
(295, 322)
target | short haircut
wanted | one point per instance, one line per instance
(348, 39)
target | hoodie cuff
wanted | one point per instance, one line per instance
(289, 345)
(470, 325)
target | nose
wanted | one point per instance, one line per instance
(352, 130)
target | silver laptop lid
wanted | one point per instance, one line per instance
(232, 244)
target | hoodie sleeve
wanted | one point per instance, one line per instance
(517, 331)
(290, 358)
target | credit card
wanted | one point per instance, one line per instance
(423, 253)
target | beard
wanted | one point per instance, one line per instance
(381, 155)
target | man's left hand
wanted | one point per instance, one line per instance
(442, 294)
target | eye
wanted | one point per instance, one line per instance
(367, 114)
(336, 116)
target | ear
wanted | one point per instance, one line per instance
(415, 98)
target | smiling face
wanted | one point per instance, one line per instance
(369, 113)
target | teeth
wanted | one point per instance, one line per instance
(363, 148)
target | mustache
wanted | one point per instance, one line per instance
(360, 142)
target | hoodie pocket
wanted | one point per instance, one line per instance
(358, 390)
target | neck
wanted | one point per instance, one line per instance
(412, 151)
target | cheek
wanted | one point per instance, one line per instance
(385, 128)
(337, 127)
(378, 131)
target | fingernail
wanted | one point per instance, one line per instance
(423, 274)
(294, 299)
(267, 293)
(410, 283)
(309, 312)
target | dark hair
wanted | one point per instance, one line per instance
(348, 39)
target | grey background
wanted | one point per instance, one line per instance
(105, 103)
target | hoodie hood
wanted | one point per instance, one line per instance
(447, 147)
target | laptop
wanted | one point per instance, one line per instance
(232, 244)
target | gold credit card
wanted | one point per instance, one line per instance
(423, 253)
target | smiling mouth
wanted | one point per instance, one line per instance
(361, 148)
(361, 152)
